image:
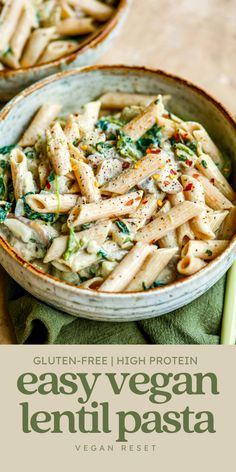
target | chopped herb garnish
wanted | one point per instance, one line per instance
(7, 149)
(192, 145)
(76, 142)
(51, 176)
(30, 153)
(151, 139)
(73, 245)
(204, 164)
(209, 252)
(122, 226)
(107, 124)
(4, 210)
(145, 287)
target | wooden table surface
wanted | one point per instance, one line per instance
(195, 39)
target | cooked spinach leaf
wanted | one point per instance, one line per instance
(7, 149)
(122, 226)
(151, 139)
(34, 215)
(126, 146)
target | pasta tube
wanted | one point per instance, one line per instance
(207, 167)
(18, 162)
(194, 192)
(45, 115)
(50, 203)
(190, 265)
(228, 228)
(216, 218)
(143, 122)
(75, 26)
(213, 197)
(57, 49)
(111, 207)
(170, 239)
(119, 100)
(71, 129)
(124, 272)
(38, 41)
(21, 33)
(155, 262)
(9, 19)
(57, 149)
(164, 223)
(206, 250)
(183, 232)
(98, 10)
(86, 181)
(144, 168)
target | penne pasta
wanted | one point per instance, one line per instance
(57, 49)
(155, 262)
(206, 250)
(209, 169)
(86, 181)
(202, 137)
(194, 192)
(21, 33)
(57, 149)
(170, 239)
(119, 100)
(190, 265)
(216, 218)
(46, 114)
(96, 9)
(9, 19)
(18, 162)
(71, 129)
(213, 197)
(124, 272)
(111, 207)
(38, 41)
(228, 228)
(164, 223)
(144, 168)
(184, 231)
(50, 203)
(75, 26)
(143, 122)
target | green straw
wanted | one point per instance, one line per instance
(228, 331)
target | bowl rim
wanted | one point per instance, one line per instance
(96, 39)
(183, 282)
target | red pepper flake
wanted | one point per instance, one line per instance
(196, 176)
(153, 151)
(152, 241)
(138, 198)
(189, 163)
(125, 165)
(168, 160)
(172, 171)
(166, 182)
(185, 136)
(212, 181)
(130, 202)
(188, 187)
(177, 137)
(117, 218)
(145, 201)
(48, 185)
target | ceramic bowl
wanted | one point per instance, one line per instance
(72, 89)
(13, 81)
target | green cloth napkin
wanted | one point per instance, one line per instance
(37, 323)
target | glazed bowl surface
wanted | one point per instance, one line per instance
(13, 81)
(73, 89)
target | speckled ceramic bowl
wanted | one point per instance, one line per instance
(72, 89)
(13, 81)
